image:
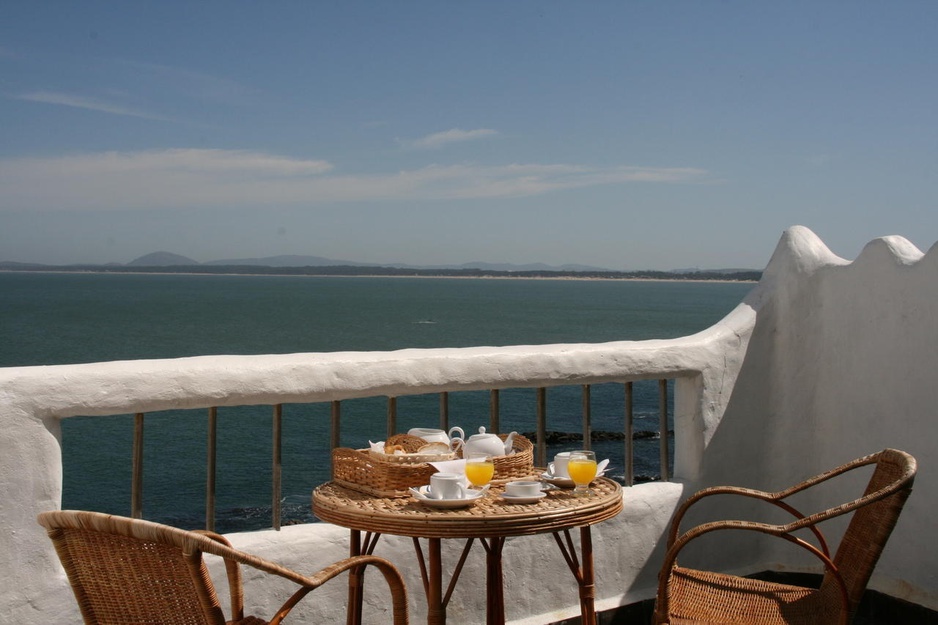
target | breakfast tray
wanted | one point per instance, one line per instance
(393, 475)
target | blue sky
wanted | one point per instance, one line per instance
(627, 135)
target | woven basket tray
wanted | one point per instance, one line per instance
(392, 476)
(387, 476)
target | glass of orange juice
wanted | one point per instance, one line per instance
(582, 470)
(480, 469)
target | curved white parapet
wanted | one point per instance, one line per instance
(841, 362)
(824, 361)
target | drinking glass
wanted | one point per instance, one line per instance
(582, 470)
(480, 469)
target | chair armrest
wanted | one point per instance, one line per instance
(391, 575)
(779, 531)
(773, 498)
(233, 571)
(207, 543)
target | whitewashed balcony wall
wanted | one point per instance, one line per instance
(796, 398)
(841, 362)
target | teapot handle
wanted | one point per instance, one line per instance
(458, 429)
(456, 444)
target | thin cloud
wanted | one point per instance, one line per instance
(84, 102)
(454, 135)
(189, 178)
(192, 83)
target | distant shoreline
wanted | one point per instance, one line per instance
(371, 272)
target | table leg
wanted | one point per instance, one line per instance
(356, 580)
(356, 575)
(584, 574)
(587, 578)
(436, 609)
(494, 582)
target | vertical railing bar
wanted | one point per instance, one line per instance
(493, 410)
(663, 425)
(210, 468)
(540, 445)
(629, 436)
(136, 484)
(444, 411)
(392, 416)
(335, 430)
(587, 418)
(277, 465)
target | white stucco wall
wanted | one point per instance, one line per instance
(825, 361)
(841, 363)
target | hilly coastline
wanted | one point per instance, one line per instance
(168, 262)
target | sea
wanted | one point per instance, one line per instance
(65, 318)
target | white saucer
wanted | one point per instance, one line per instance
(563, 482)
(421, 496)
(516, 499)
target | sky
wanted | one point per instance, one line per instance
(627, 135)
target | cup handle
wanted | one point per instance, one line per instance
(550, 468)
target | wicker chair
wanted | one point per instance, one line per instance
(703, 597)
(128, 571)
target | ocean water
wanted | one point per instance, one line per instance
(49, 318)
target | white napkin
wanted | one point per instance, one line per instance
(378, 448)
(450, 466)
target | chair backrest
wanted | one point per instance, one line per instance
(872, 523)
(127, 571)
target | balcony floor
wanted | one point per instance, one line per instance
(875, 609)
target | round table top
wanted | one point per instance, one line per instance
(489, 516)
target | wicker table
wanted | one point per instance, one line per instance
(490, 520)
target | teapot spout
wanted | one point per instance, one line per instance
(509, 443)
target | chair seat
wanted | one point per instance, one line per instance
(704, 597)
(248, 620)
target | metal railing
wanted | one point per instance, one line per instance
(540, 441)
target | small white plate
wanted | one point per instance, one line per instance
(563, 482)
(516, 499)
(421, 496)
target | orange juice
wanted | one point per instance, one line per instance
(480, 473)
(581, 470)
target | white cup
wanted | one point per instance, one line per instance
(431, 435)
(523, 488)
(447, 486)
(558, 468)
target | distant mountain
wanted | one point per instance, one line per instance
(529, 267)
(291, 260)
(319, 261)
(161, 259)
(699, 270)
(294, 264)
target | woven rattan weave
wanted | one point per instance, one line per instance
(688, 596)
(489, 516)
(127, 572)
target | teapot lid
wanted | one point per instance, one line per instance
(482, 434)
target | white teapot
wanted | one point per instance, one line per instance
(483, 442)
